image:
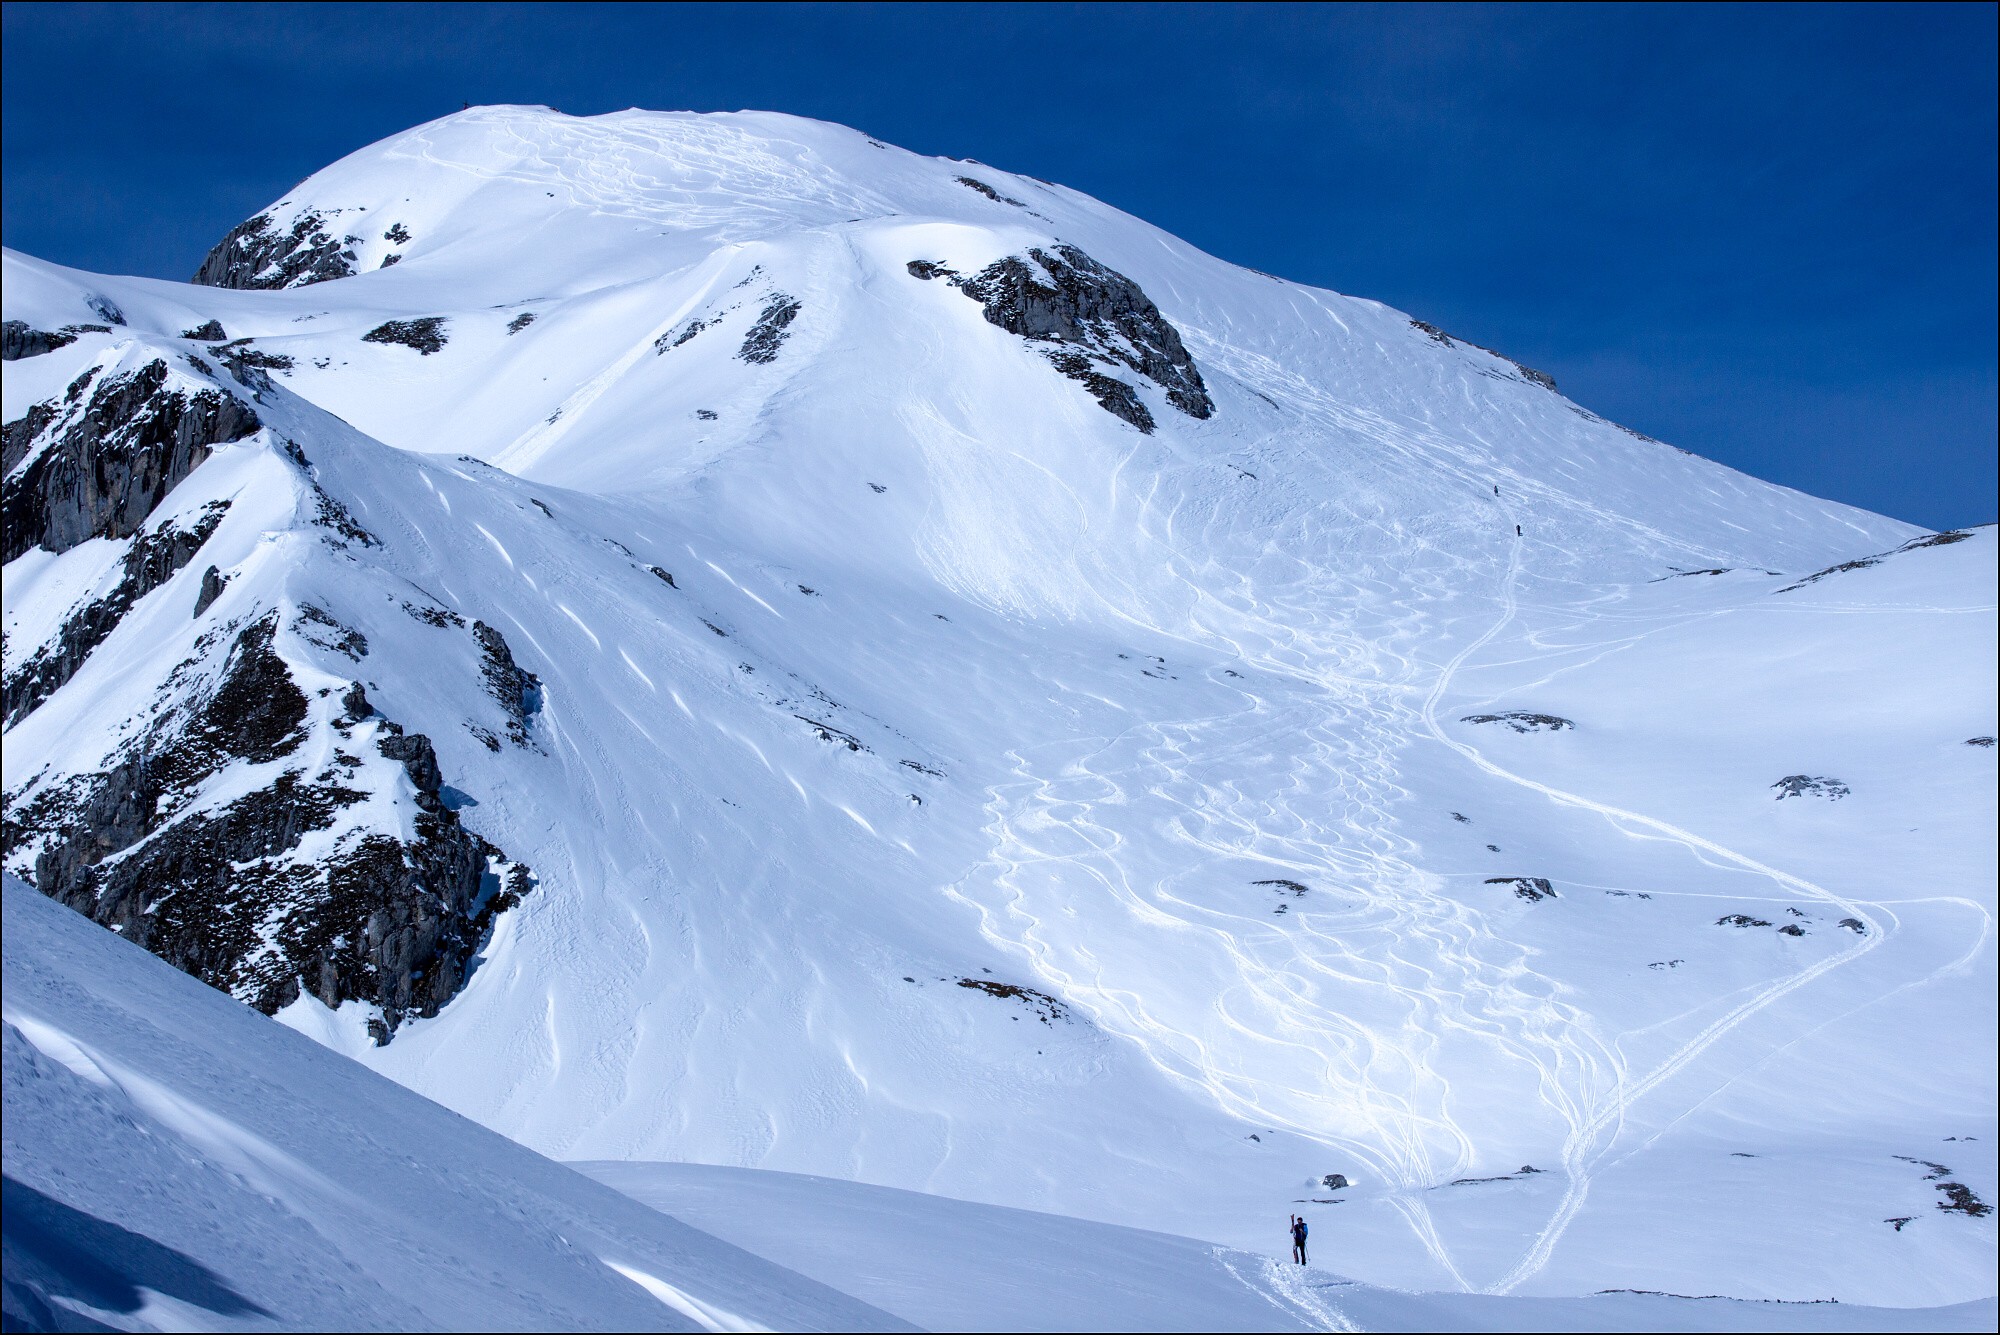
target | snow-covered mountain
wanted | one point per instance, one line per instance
(713, 638)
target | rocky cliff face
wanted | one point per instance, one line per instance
(257, 255)
(97, 466)
(266, 836)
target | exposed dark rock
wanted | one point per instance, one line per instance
(255, 255)
(1047, 1009)
(673, 338)
(1791, 929)
(331, 514)
(113, 461)
(1521, 721)
(152, 560)
(518, 691)
(929, 269)
(665, 575)
(397, 233)
(434, 616)
(1944, 539)
(1461, 818)
(878, 488)
(971, 183)
(1806, 785)
(1679, 574)
(1740, 920)
(1292, 888)
(705, 414)
(1979, 741)
(1855, 925)
(104, 308)
(419, 760)
(240, 355)
(220, 894)
(828, 733)
(355, 704)
(212, 584)
(520, 322)
(921, 768)
(761, 344)
(211, 332)
(1096, 317)
(1963, 1200)
(318, 626)
(1666, 964)
(1334, 1181)
(1531, 888)
(425, 333)
(1899, 1221)
(18, 340)
(1527, 373)
(390, 261)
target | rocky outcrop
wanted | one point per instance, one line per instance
(1526, 372)
(210, 332)
(426, 334)
(1808, 785)
(18, 340)
(152, 560)
(1521, 721)
(1095, 317)
(1943, 539)
(1534, 889)
(1046, 1008)
(110, 462)
(256, 255)
(766, 336)
(518, 690)
(221, 891)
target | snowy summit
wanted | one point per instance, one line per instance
(791, 675)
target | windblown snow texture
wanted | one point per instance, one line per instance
(915, 639)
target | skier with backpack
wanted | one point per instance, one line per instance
(1298, 1240)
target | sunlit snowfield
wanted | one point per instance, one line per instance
(961, 678)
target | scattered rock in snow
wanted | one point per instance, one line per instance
(520, 322)
(1979, 741)
(766, 336)
(1791, 929)
(922, 768)
(426, 334)
(255, 255)
(1335, 1181)
(828, 733)
(397, 233)
(1740, 920)
(664, 575)
(390, 261)
(210, 332)
(1047, 1009)
(1855, 925)
(1666, 964)
(705, 414)
(1527, 373)
(1461, 818)
(1806, 785)
(1678, 574)
(972, 183)
(1521, 721)
(1283, 886)
(1898, 1222)
(1531, 888)
(1944, 539)
(316, 625)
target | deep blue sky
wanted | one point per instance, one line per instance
(1766, 234)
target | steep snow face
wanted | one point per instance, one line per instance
(970, 740)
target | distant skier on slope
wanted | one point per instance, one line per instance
(1298, 1240)
(1517, 530)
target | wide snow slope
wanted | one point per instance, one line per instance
(1182, 717)
(951, 1265)
(175, 1161)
